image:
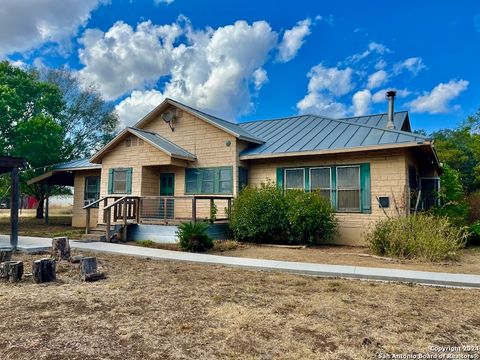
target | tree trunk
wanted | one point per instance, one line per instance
(5, 255)
(11, 270)
(40, 208)
(88, 266)
(61, 248)
(43, 270)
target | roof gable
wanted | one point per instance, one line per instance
(157, 141)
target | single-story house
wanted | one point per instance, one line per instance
(369, 167)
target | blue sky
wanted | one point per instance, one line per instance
(247, 60)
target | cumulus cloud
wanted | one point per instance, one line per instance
(377, 79)
(213, 69)
(361, 102)
(438, 99)
(168, 2)
(373, 48)
(293, 39)
(27, 24)
(137, 105)
(413, 64)
(325, 84)
(381, 95)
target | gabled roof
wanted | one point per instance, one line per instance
(157, 141)
(309, 134)
(401, 120)
(227, 126)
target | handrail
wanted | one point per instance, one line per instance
(123, 198)
(98, 201)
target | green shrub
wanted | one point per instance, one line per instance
(259, 214)
(426, 237)
(193, 237)
(311, 218)
(268, 215)
(474, 236)
(145, 243)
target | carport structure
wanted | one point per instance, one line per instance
(9, 164)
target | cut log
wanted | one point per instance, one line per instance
(5, 255)
(94, 276)
(43, 270)
(61, 248)
(76, 259)
(11, 270)
(88, 265)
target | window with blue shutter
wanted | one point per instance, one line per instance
(120, 181)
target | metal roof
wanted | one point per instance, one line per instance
(76, 164)
(400, 120)
(232, 128)
(163, 144)
(307, 133)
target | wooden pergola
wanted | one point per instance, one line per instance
(12, 165)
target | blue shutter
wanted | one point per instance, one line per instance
(110, 180)
(365, 188)
(280, 177)
(334, 186)
(129, 180)
(307, 179)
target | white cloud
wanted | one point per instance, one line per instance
(361, 102)
(260, 77)
(293, 39)
(381, 95)
(324, 86)
(377, 79)
(137, 105)
(168, 2)
(214, 70)
(437, 101)
(27, 24)
(373, 48)
(381, 64)
(413, 64)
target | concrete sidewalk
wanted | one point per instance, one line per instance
(323, 270)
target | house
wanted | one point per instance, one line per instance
(178, 162)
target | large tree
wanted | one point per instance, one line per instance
(47, 118)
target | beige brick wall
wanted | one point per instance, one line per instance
(78, 216)
(388, 178)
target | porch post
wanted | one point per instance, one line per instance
(124, 230)
(107, 229)
(87, 220)
(14, 209)
(194, 209)
(47, 203)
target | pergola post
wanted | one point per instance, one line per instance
(47, 202)
(14, 208)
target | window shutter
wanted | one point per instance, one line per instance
(129, 180)
(307, 179)
(110, 180)
(280, 177)
(334, 186)
(365, 187)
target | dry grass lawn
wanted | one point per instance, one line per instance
(165, 310)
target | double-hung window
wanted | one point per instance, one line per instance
(321, 181)
(211, 181)
(120, 181)
(348, 188)
(295, 179)
(92, 189)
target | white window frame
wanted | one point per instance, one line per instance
(329, 177)
(285, 178)
(116, 171)
(359, 190)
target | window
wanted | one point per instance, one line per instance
(320, 180)
(92, 189)
(209, 181)
(242, 177)
(348, 188)
(120, 181)
(294, 179)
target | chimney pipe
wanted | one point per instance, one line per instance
(391, 99)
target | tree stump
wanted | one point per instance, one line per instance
(11, 270)
(76, 259)
(5, 255)
(61, 248)
(94, 276)
(43, 270)
(88, 266)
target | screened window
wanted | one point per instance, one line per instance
(209, 181)
(348, 188)
(320, 180)
(294, 179)
(242, 177)
(92, 189)
(120, 181)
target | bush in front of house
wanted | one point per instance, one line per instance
(310, 218)
(193, 237)
(424, 236)
(259, 215)
(266, 214)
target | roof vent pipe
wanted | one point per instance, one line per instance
(391, 99)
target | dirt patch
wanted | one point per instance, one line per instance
(149, 309)
(59, 225)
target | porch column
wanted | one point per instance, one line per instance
(14, 209)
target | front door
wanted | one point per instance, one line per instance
(167, 189)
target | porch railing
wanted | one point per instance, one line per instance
(158, 209)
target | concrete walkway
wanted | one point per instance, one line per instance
(32, 244)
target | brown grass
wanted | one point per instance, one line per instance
(59, 225)
(165, 310)
(468, 263)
